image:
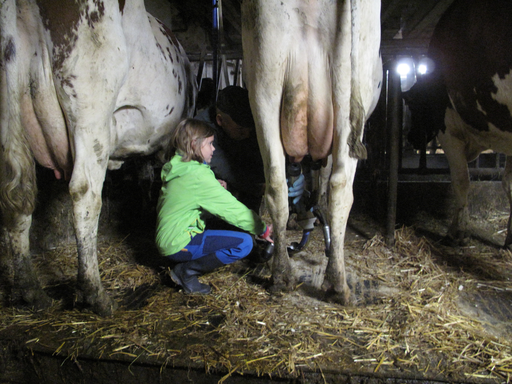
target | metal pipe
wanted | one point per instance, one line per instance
(395, 104)
(215, 46)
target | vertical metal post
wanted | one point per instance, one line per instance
(215, 46)
(395, 104)
(237, 72)
(200, 70)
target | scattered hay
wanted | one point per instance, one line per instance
(415, 326)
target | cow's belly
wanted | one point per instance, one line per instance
(153, 97)
(475, 141)
(495, 139)
(483, 103)
(136, 133)
(148, 104)
(487, 115)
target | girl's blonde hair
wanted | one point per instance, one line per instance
(188, 137)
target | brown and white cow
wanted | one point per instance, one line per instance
(84, 84)
(469, 96)
(313, 71)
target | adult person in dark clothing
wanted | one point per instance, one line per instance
(237, 159)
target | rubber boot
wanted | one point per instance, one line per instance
(185, 274)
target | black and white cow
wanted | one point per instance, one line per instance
(467, 101)
(313, 71)
(83, 84)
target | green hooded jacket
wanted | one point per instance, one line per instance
(188, 189)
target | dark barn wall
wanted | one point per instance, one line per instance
(485, 198)
(129, 206)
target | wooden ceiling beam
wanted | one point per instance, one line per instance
(424, 20)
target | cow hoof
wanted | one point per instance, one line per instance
(28, 297)
(100, 303)
(282, 283)
(507, 246)
(36, 299)
(42, 302)
(281, 287)
(341, 298)
(459, 241)
(276, 290)
(105, 307)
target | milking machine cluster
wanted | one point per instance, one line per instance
(306, 207)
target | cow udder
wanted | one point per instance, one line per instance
(306, 125)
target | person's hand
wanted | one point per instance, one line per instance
(223, 183)
(297, 188)
(267, 235)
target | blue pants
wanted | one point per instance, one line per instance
(228, 246)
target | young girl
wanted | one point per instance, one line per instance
(190, 188)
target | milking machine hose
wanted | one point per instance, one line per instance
(296, 247)
(327, 231)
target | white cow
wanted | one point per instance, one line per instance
(84, 84)
(313, 70)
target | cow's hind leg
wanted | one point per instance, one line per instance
(18, 192)
(340, 203)
(92, 96)
(282, 275)
(266, 115)
(507, 186)
(340, 199)
(457, 156)
(17, 269)
(85, 189)
(18, 187)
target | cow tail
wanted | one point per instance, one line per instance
(357, 113)
(357, 120)
(191, 90)
(18, 187)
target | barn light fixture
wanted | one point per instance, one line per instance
(425, 65)
(407, 70)
(406, 65)
(422, 69)
(403, 69)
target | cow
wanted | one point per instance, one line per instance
(467, 100)
(84, 85)
(313, 70)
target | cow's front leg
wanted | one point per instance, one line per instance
(85, 189)
(16, 263)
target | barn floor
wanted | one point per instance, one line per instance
(422, 312)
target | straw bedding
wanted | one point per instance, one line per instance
(414, 313)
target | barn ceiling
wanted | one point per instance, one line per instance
(407, 26)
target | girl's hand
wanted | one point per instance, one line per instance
(267, 235)
(223, 183)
